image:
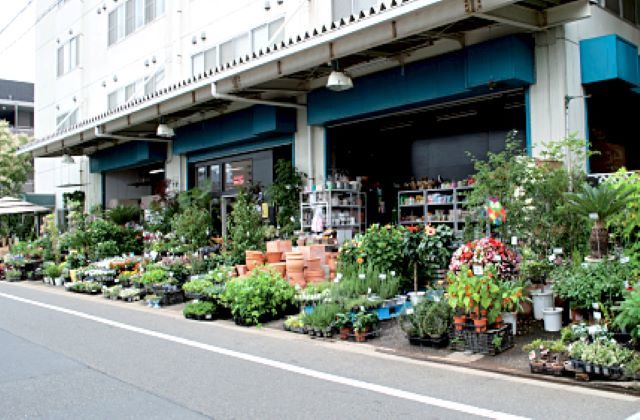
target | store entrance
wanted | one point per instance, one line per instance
(431, 144)
(611, 113)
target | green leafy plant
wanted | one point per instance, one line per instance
(603, 200)
(53, 270)
(245, 229)
(262, 295)
(285, 194)
(199, 287)
(364, 321)
(199, 308)
(429, 319)
(192, 227)
(323, 316)
(121, 215)
(154, 276)
(584, 285)
(427, 249)
(629, 315)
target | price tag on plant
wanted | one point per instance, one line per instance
(369, 291)
(551, 258)
(409, 311)
(514, 240)
(624, 260)
(593, 216)
(557, 251)
(478, 270)
(362, 308)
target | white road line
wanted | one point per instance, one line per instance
(354, 383)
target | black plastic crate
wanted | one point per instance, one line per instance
(491, 342)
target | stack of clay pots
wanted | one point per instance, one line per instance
(254, 259)
(314, 272)
(273, 257)
(295, 269)
(332, 262)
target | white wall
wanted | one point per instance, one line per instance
(168, 39)
(50, 173)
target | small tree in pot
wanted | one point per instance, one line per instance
(598, 203)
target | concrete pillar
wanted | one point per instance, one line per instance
(557, 56)
(309, 147)
(175, 170)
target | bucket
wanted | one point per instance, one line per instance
(511, 318)
(552, 319)
(541, 300)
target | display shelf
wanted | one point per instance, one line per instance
(338, 206)
(446, 203)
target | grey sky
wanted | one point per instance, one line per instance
(17, 42)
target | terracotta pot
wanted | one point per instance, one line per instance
(295, 266)
(333, 264)
(459, 321)
(344, 333)
(274, 257)
(480, 324)
(251, 264)
(313, 264)
(254, 254)
(498, 322)
(241, 269)
(285, 246)
(296, 279)
(280, 268)
(300, 242)
(361, 337)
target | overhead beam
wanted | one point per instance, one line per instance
(533, 20)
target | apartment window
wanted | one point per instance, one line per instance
(204, 61)
(261, 35)
(154, 82)
(344, 8)
(628, 10)
(132, 15)
(68, 56)
(67, 119)
(235, 48)
(116, 98)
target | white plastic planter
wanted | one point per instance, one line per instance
(552, 319)
(59, 281)
(541, 300)
(416, 297)
(511, 318)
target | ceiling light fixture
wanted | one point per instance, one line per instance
(165, 131)
(67, 159)
(156, 171)
(338, 80)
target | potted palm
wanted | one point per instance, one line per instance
(598, 204)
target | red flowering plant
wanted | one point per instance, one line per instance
(477, 295)
(483, 252)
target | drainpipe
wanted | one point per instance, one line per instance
(234, 98)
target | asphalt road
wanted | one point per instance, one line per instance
(69, 356)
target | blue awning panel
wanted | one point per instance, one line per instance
(609, 58)
(252, 124)
(126, 156)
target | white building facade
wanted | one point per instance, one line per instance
(243, 83)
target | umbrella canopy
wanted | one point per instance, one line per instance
(11, 205)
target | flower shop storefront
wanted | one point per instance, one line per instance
(131, 172)
(419, 121)
(237, 150)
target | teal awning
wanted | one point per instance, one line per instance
(499, 63)
(254, 124)
(607, 58)
(126, 156)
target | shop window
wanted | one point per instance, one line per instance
(214, 178)
(202, 176)
(629, 10)
(237, 174)
(68, 56)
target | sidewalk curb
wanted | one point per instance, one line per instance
(632, 390)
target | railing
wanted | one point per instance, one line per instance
(602, 177)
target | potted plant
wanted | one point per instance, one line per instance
(598, 204)
(200, 310)
(363, 322)
(13, 275)
(153, 301)
(512, 297)
(344, 323)
(54, 272)
(628, 318)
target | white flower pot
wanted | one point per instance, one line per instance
(552, 319)
(511, 318)
(541, 300)
(59, 281)
(416, 297)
